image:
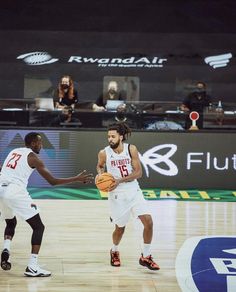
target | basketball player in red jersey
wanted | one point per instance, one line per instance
(125, 196)
(15, 199)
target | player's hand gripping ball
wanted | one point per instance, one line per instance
(104, 181)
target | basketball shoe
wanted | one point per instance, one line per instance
(5, 262)
(115, 258)
(36, 271)
(148, 262)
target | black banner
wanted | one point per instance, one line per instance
(163, 66)
(185, 160)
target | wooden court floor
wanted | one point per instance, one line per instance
(77, 241)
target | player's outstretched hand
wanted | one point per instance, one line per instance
(85, 177)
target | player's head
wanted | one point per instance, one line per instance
(33, 141)
(67, 110)
(118, 133)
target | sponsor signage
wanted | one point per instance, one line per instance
(88, 193)
(164, 165)
(207, 263)
(218, 61)
(167, 64)
(44, 58)
(37, 58)
(169, 160)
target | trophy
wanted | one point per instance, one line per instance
(194, 116)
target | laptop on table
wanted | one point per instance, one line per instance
(112, 105)
(44, 103)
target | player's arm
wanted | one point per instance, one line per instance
(37, 163)
(136, 164)
(101, 162)
(184, 107)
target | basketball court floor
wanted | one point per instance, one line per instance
(77, 241)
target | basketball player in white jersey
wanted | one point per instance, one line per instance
(125, 196)
(15, 199)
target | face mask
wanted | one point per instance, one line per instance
(65, 86)
(200, 90)
(120, 116)
(112, 91)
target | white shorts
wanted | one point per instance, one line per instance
(16, 201)
(124, 203)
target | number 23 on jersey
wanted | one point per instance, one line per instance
(12, 162)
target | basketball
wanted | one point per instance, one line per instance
(104, 181)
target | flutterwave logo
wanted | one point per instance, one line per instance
(219, 60)
(151, 158)
(37, 58)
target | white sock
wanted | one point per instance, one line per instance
(33, 261)
(114, 247)
(146, 249)
(7, 244)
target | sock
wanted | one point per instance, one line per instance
(7, 244)
(114, 247)
(33, 261)
(146, 249)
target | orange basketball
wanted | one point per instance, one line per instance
(104, 181)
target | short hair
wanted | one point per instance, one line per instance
(67, 108)
(30, 137)
(201, 82)
(121, 129)
(112, 84)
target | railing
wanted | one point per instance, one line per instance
(151, 120)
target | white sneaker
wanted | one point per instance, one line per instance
(36, 272)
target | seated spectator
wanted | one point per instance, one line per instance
(111, 93)
(197, 101)
(121, 117)
(66, 117)
(66, 94)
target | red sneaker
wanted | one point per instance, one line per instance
(115, 258)
(148, 262)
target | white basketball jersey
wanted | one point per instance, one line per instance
(119, 165)
(15, 168)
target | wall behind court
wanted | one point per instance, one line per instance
(167, 65)
(169, 159)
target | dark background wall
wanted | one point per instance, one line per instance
(165, 16)
(182, 33)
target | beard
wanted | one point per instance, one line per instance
(114, 145)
